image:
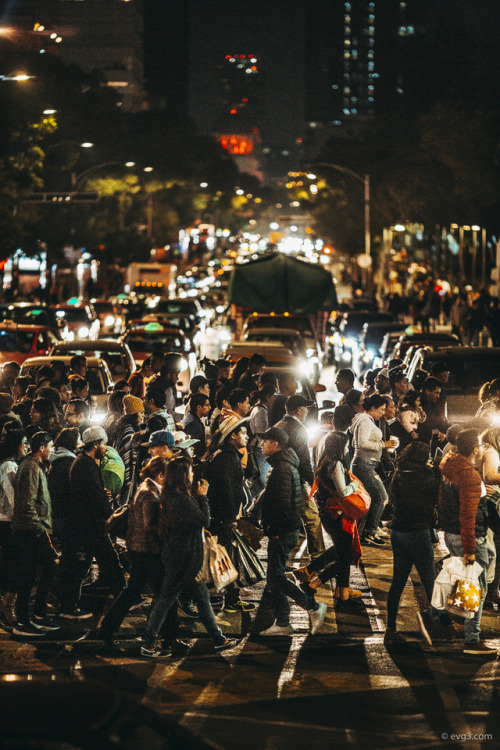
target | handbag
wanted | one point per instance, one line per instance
(465, 598)
(222, 570)
(248, 565)
(252, 533)
(204, 572)
(354, 506)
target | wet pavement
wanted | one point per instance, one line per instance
(339, 688)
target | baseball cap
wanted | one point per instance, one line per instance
(39, 439)
(295, 402)
(160, 437)
(93, 434)
(275, 433)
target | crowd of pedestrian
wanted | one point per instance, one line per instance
(124, 506)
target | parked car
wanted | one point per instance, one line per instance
(116, 354)
(145, 338)
(432, 339)
(346, 338)
(111, 317)
(370, 341)
(98, 375)
(19, 342)
(81, 320)
(469, 366)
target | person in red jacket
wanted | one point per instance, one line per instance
(463, 517)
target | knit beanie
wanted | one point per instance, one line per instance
(132, 404)
(6, 402)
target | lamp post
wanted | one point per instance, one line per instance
(365, 181)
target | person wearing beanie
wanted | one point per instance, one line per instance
(126, 443)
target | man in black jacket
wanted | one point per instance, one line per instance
(280, 505)
(226, 495)
(293, 424)
(90, 505)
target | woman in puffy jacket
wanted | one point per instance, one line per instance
(368, 444)
(144, 547)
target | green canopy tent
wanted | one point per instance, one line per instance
(279, 283)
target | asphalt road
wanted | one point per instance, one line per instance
(340, 688)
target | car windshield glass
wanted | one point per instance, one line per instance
(104, 307)
(17, 341)
(33, 316)
(74, 315)
(286, 322)
(467, 375)
(171, 306)
(153, 341)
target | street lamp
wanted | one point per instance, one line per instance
(365, 181)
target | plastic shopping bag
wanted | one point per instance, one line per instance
(222, 569)
(457, 588)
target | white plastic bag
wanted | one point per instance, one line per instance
(454, 569)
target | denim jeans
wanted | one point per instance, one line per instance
(281, 588)
(472, 627)
(410, 548)
(144, 568)
(263, 466)
(365, 470)
(168, 599)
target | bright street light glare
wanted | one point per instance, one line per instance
(311, 176)
(130, 163)
(86, 144)
(148, 169)
(400, 227)
(49, 111)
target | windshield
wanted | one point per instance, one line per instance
(300, 324)
(17, 341)
(152, 342)
(74, 315)
(33, 316)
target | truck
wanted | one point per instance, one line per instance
(156, 278)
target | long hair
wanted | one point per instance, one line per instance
(154, 467)
(10, 443)
(334, 450)
(176, 479)
(491, 436)
(49, 420)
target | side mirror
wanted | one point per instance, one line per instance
(319, 388)
(328, 404)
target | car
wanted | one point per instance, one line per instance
(286, 320)
(370, 341)
(346, 338)
(81, 320)
(188, 306)
(424, 338)
(19, 342)
(145, 338)
(111, 317)
(277, 356)
(116, 354)
(33, 314)
(187, 323)
(98, 375)
(469, 367)
(291, 339)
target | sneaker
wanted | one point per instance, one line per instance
(425, 623)
(247, 592)
(44, 623)
(276, 629)
(316, 617)
(28, 630)
(176, 646)
(153, 653)
(382, 534)
(370, 540)
(239, 606)
(76, 614)
(228, 643)
(189, 610)
(480, 648)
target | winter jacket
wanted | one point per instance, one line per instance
(89, 503)
(277, 408)
(194, 427)
(466, 514)
(299, 441)
(367, 438)
(182, 519)
(434, 421)
(248, 382)
(32, 507)
(413, 495)
(8, 471)
(58, 481)
(143, 519)
(281, 498)
(224, 474)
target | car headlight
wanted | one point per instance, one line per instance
(304, 368)
(310, 351)
(109, 320)
(70, 336)
(183, 364)
(187, 345)
(225, 335)
(83, 332)
(98, 417)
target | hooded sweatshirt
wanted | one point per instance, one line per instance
(466, 516)
(367, 438)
